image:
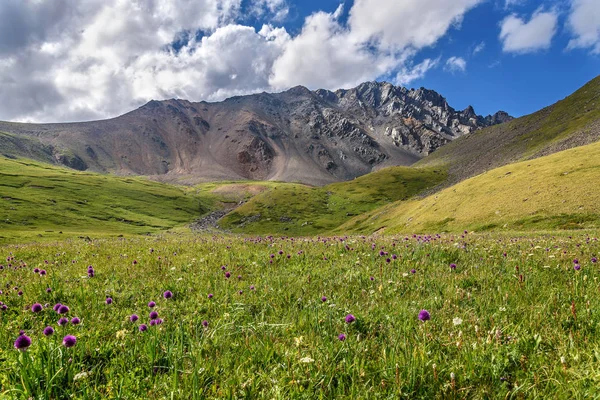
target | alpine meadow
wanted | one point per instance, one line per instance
(275, 199)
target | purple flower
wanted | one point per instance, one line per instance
(75, 321)
(63, 321)
(153, 322)
(143, 328)
(239, 277)
(159, 321)
(134, 318)
(342, 337)
(37, 307)
(210, 295)
(151, 304)
(63, 309)
(350, 318)
(168, 294)
(69, 341)
(22, 342)
(413, 271)
(48, 290)
(452, 266)
(109, 300)
(252, 287)
(56, 307)
(153, 315)
(43, 272)
(424, 315)
(36, 270)
(48, 331)
(227, 274)
(577, 267)
(323, 299)
(594, 260)
(372, 278)
(205, 323)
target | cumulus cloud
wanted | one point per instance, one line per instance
(456, 64)
(584, 24)
(66, 60)
(520, 36)
(479, 48)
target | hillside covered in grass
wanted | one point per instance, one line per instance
(44, 201)
(573, 121)
(559, 191)
(303, 210)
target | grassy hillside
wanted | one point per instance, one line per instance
(43, 201)
(559, 191)
(571, 122)
(302, 210)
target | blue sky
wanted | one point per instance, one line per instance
(493, 80)
(75, 60)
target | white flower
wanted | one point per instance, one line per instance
(306, 360)
(457, 321)
(81, 375)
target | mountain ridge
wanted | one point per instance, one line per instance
(315, 137)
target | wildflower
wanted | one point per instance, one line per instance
(372, 278)
(42, 272)
(205, 323)
(452, 266)
(342, 337)
(153, 322)
(210, 295)
(109, 300)
(63, 321)
(424, 315)
(22, 342)
(153, 315)
(577, 267)
(151, 304)
(227, 274)
(252, 287)
(350, 318)
(69, 341)
(63, 309)
(457, 321)
(168, 294)
(143, 328)
(48, 290)
(37, 307)
(75, 321)
(306, 360)
(323, 299)
(133, 318)
(48, 331)
(36, 270)
(413, 271)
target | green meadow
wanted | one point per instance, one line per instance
(516, 318)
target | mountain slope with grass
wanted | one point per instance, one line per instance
(297, 209)
(573, 121)
(40, 201)
(559, 191)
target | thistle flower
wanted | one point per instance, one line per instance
(69, 341)
(37, 307)
(48, 331)
(227, 274)
(210, 295)
(63, 309)
(22, 342)
(143, 328)
(424, 315)
(133, 318)
(56, 307)
(109, 300)
(63, 321)
(153, 315)
(452, 266)
(205, 323)
(75, 321)
(577, 267)
(151, 304)
(323, 299)
(350, 318)
(168, 294)
(341, 337)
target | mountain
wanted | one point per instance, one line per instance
(571, 122)
(315, 137)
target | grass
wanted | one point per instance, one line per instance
(303, 210)
(513, 320)
(41, 202)
(549, 193)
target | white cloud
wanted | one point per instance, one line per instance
(519, 36)
(479, 48)
(456, 64)
(513, 3)
(65, 60)
(584, 23)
